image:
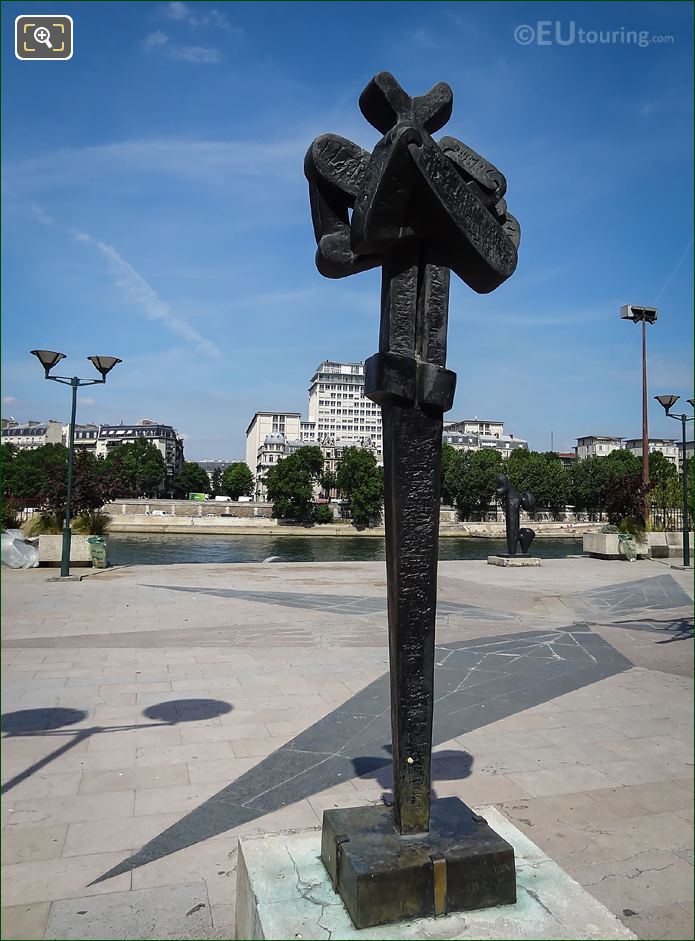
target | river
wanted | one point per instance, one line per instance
(179, 548)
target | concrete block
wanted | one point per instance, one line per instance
(514, 561)
(283, 891)
(51, 550)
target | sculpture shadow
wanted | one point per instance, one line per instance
(447, 765)
(55, 722)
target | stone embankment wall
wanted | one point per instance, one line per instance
(246, 519)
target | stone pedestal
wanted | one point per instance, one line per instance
(284, 891)
(459, 865)
(513, 561)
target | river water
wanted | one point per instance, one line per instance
(179, 548)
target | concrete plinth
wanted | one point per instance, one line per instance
(513, 561)
(284, 891)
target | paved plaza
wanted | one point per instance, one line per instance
(154, 714)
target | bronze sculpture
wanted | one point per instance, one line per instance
(417, 208)
(514, 502)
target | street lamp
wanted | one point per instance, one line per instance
(104, 365)
(644, 315)
(668, 401)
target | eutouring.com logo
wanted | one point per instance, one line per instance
(558, 33)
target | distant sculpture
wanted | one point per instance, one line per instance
(514, 503)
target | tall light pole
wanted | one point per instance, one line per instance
(643, 315)
(104, 365)
(668, 401)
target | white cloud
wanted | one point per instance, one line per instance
(139, 293)
(85, 400)
(159, 41)
(212, 18)
(196, 54)
(8, 399)
(216, 163)
(156, 40)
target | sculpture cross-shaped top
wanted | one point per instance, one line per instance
(419, 209)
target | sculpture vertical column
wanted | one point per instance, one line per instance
(413, 328)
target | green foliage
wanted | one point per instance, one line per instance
(361, 482)
(541, 474)
(91, 523)
(290, 484)
(192, 478)
(625, 499)
(43, 524)
(140, 467)
(449, 460)
(329, 483)
(323, 514)
(29, 474)
(667, 489)
(472, 480)
(216, 482)
(237, 481)
(588, 482)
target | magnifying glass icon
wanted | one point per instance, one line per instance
(42, 34)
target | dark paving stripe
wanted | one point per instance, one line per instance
(629, 598)
(332, 604)
(477, 682)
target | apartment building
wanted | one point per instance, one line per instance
(667, 446)
(164, 437)
(31, 434)
(599, 445)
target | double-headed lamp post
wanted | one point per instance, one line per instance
(668, 401)
(104, 365)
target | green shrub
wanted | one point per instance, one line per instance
(91, 523)
(323, 514)
(43, 524)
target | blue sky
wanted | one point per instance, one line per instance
(155, 207)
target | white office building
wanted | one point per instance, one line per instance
(339, 409)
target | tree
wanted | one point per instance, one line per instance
(543, 475)
(625, 500)
(290, 483)
(29, 474)
(361, 482)
(237, 481)
(474, 480)
(140, 465)
(450, 457)
(216, 482)
(588, 483)
(329, 483)
(192, 478)
(667, 489)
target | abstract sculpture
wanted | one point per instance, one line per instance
(417, 208)
(514, 503)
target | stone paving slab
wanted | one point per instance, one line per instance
(596, 770)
